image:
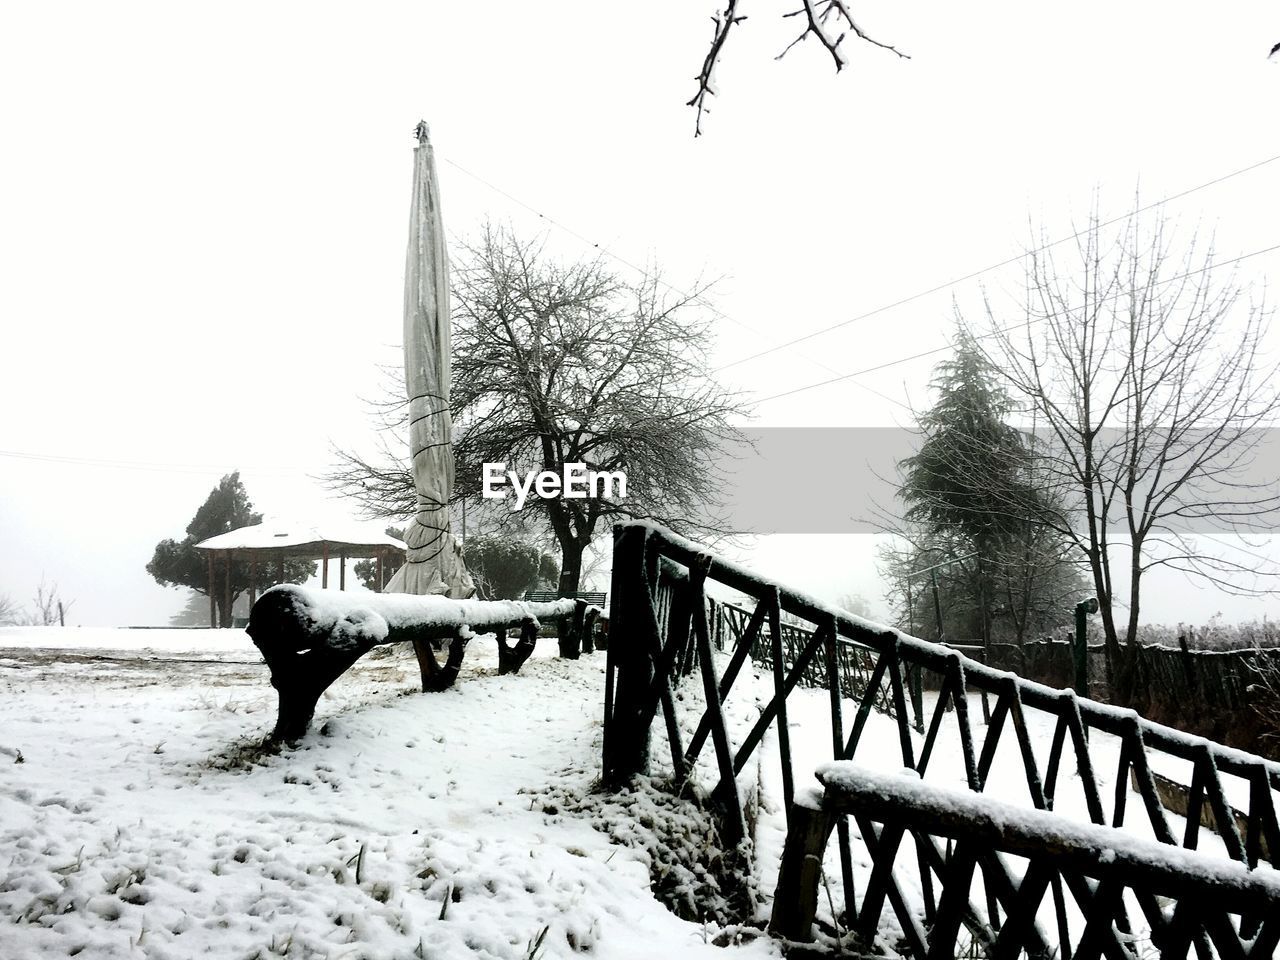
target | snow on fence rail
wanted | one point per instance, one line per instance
(311, 637)
(1198, 894)
(660, 621)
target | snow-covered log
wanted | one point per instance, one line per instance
(311, 637)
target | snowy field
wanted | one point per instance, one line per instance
(144, 821)
(140, 817)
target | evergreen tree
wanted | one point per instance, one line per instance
(177, 563)
(505, 568)
(971, 493)
(367, 570)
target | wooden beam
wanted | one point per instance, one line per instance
(795, 902)
(324, 570)
(381, 581)
(342, 570)
(213, 603)
(304, 657)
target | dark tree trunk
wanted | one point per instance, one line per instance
(570, 567)
(570, 633)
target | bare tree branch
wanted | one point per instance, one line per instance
(828, 20)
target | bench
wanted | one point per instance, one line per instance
(1089, 863)
(546, 596)
(311, 637)
(591, 637)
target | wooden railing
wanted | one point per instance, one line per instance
(1185, 898)
(661, 630)
(855, 662)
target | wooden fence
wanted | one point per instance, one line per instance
(1211, 693)
(662, 630)
(1218, 906)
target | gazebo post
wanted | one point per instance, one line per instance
(253, 581)
(381, 582)
(213, 602)
(342, 570)
(324, 568)
(227, 594)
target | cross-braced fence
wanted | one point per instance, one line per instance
(1216, 906)
(663, 627)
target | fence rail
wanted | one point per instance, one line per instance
(1185, 898)
(1219, 694)
(662, 630)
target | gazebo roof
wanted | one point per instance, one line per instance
(276, 537)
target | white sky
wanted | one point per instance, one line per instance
(203, 212)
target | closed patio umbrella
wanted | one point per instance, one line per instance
(434, 564)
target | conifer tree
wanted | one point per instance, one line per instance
(177, 563)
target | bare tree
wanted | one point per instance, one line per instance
(10, 612)
(47, 606)
(1148, 378)
(828, 22)
(557, 364)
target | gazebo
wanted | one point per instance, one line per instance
(276, 540)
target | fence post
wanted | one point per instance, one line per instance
(1080, 648)
(916, 675)
(626, 750)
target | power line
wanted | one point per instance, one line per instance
(995, 266)
(841, 377)
(986, 336)
(606, 252)
(1216, 538)
(138, 464)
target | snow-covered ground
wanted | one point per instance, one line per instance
(140, 817)
(143, 819)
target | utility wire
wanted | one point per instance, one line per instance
(905, 300)
(1216, 538)
(606, 252)
(996, 266)
(138, 465)
(986, 336)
